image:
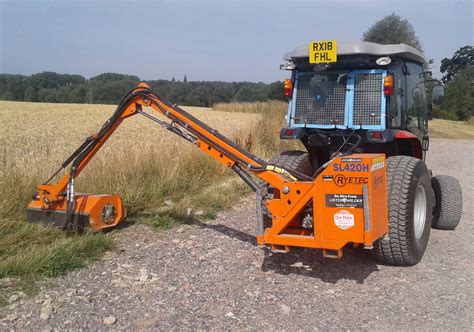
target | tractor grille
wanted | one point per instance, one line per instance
(321, 99)
(367, 98)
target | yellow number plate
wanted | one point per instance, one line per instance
(323, 51)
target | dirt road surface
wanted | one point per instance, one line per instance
(212, 276)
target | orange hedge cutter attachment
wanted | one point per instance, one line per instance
(343, 202)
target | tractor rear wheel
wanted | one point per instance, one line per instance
(410, 205)
(448, 209)
(294, 159)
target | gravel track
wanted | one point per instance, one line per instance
(212, 276)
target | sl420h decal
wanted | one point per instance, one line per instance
(350, 167)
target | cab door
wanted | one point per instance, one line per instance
(415, 101)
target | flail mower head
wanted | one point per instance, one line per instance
(94, 211)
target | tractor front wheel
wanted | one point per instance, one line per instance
(448, 209)
(410, 205)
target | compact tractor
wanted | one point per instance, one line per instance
(361, 112)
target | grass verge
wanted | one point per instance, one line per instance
(440, 128)
(29, 252)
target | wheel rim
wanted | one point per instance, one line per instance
(420, 211)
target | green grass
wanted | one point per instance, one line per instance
(30, 252)
(440, 128)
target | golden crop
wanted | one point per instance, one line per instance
(38, 136)
(142, 161)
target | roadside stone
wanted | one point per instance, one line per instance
(8, 282)
(285, 309)
(13, 298)
(230, 314)
(110, 320)
(199, 213)
(168, 202)
(46, 309)
(11, 318)
(180, 230)
(71, 292)
(44, 316)
(143, 276)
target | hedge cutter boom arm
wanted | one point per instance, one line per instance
(60, 197)
(296, 198)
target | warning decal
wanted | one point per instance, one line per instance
(344, 219)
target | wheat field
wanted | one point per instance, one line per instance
(141, 161)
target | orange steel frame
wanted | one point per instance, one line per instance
(301, 193)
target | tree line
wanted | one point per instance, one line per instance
(109, 88)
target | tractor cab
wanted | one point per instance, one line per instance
(371, 94)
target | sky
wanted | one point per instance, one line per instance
(205, 40)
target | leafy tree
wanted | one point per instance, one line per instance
(62, 95)
(47, 95)
(276, 91)
(392, 29)
(6, 95)
(459, 97)
(463, 58)
(30, 94)
(108, 77)
(77, 94)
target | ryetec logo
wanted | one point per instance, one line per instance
(350, 167)
(340, 180)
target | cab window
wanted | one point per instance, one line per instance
(415, 96)
(396, 100)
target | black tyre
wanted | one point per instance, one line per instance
(290, 160)
(448, 207)
(410, 205)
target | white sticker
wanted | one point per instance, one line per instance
(377, 166)
(377, 163)
(344, 219)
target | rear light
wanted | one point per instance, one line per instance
(388, 85)
(289, 132)
(377, 135)
(288, 88)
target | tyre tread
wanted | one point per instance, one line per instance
(448, 211)
(395, 247)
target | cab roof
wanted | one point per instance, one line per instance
(361, 47)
